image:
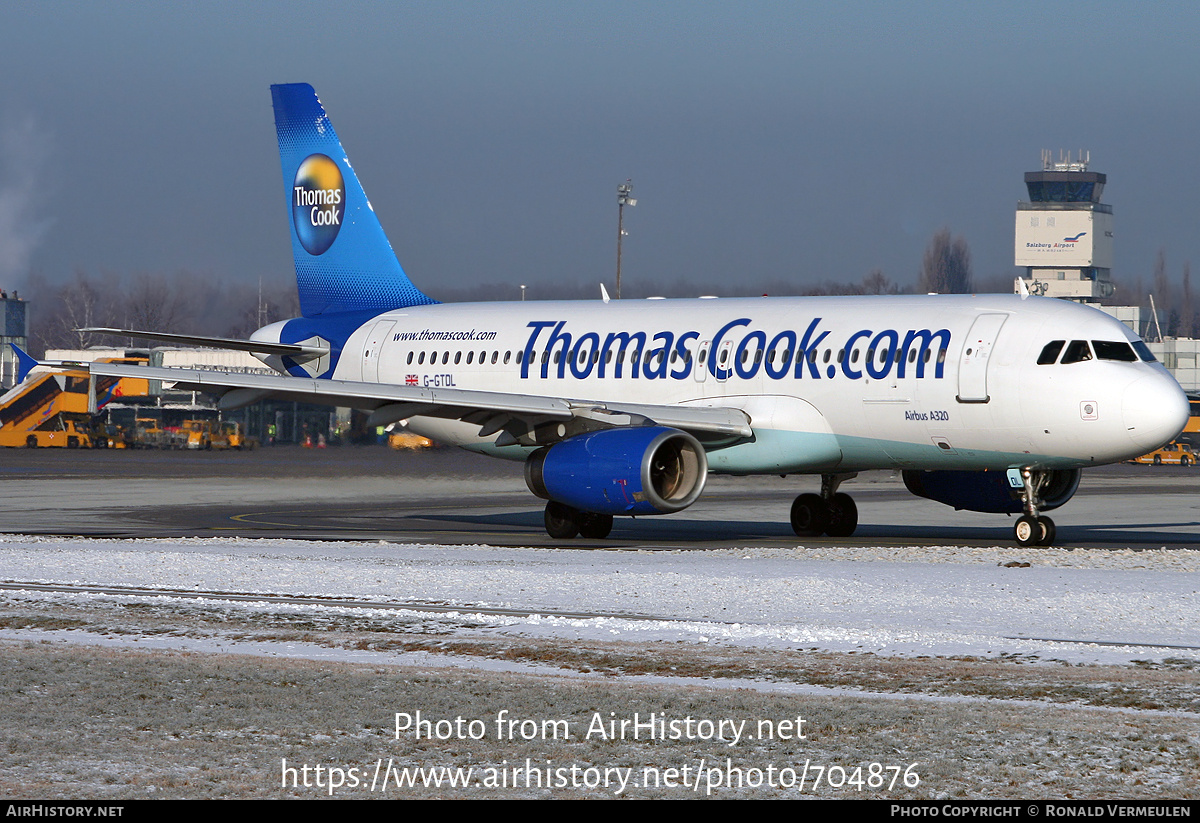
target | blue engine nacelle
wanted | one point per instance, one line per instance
(988, 491)
(643, 470)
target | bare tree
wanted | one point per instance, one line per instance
(181, 302)
(947, 265)
(84, 304)
(1162, 285)
(62, 311)
(257, 308)
(155, 304)
(1187, 309)
(876, 282)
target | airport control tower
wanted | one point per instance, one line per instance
(1064, 233)
(14, 328)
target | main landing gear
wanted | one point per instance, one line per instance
(564, 522)
(1032, 528)
(830, 512)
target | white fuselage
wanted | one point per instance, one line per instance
(831, 384)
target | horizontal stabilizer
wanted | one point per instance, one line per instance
(233, 344)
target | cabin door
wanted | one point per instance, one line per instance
(976, 354)
(375, 340)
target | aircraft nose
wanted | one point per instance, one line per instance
(1155, 410)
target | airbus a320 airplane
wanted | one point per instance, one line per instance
(988, 403)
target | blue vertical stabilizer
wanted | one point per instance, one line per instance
(344, 262)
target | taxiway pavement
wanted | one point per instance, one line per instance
(452, 497)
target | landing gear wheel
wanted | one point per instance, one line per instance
(561, 521)
(595, 526)
(1046, 531)
(810, 515)
(843, 516)
(1034, 531)
(1027, 531)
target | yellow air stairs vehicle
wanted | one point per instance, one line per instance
(53, 409)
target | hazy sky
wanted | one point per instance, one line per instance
(797, 141)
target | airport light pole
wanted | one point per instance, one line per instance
(623, 200)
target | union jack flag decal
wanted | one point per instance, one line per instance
(410, 380)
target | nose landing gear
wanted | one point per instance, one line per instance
(1034, 531)
(1032, 528)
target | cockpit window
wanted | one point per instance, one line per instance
(1050, 352)
(1113, 350)
(1077, 352)
(1143, 351)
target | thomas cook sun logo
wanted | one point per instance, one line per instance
(318, 203)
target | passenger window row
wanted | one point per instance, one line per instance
(784, 356)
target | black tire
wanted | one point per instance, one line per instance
(72, 442)
(31, 442)
(595, 526)
(843, 516)
(810, 515)
(561, 521)
(1157, 460)
(1185, 461)
(1047, 531)
(1027, 531)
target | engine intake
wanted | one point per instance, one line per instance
(988, 491)
(642, 470)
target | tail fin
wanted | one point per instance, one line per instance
(344, 261)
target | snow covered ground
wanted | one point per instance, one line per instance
(1082, 606)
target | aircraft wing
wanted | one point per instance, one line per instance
(234, 344)
(390, 403)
